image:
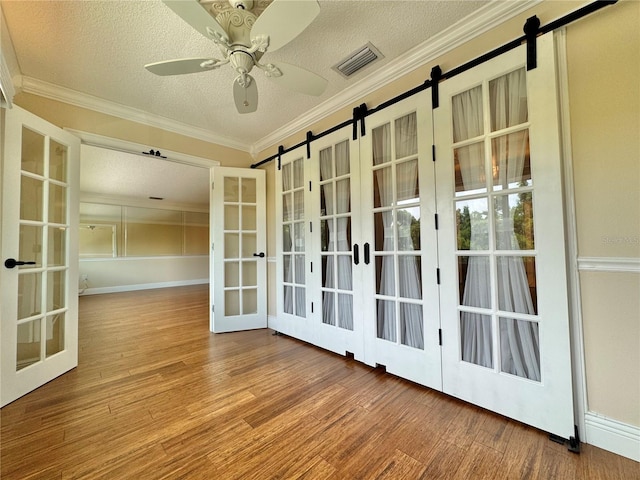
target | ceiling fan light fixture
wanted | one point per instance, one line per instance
(357, 60)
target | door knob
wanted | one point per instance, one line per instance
(12, 262)
(261, 254)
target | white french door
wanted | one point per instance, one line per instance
(400, 250)
(39, 275)
(504, 301)
(239, 263)
(292, 244)
(336, 289)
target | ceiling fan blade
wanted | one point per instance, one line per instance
(195, 15)
(245, 97)
(284, 20)
(180, 66)
(298, 79)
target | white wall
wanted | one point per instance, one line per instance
(107, 275)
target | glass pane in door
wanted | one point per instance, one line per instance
(30, 246)
(58, 161)
(55, 334)
(31, 191)
(28, 347)
(29, 294)
(33, 145)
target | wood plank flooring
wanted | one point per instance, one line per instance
(156, 396)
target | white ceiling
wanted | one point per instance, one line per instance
(93, 53)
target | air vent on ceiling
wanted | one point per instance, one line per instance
(358, 60)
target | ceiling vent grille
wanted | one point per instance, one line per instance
(358, 60)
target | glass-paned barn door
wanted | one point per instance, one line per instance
(292, 246)
(335, 219)
(399, 242)
(501, 241)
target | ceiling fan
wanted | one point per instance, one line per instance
(243, 39)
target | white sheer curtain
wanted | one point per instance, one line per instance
(410, 285)
(287, 239)
(386, 312)
(337, 272)
(398, 219)
(518, 339)
(328, 301)
(475, 327)
(343, 244)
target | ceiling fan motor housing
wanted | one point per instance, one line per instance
(241, 61)
(243, 4)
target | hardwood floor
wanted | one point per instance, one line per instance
(157, 396)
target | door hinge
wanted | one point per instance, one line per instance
(436, 215)
(311, 307)
(212, 183)
(309, 185)
(310, 227)
(311, 266)
(213, 308)
(433, 153)
(438, 276)
(440, 336)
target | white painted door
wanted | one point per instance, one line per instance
(39, 275)
(239, 263)
(293, 242)
(336, 288)
(504, 301)
(399, 242)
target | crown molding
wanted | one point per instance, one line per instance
(481, 21)
(73, 97)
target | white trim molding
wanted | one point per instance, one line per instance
(609, 264)
(142, 286)
(83, 100)
(617, 437)
(7, 91)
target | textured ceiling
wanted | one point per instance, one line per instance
(99, 48)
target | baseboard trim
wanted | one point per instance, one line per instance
(614, 436)
(142, 286)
